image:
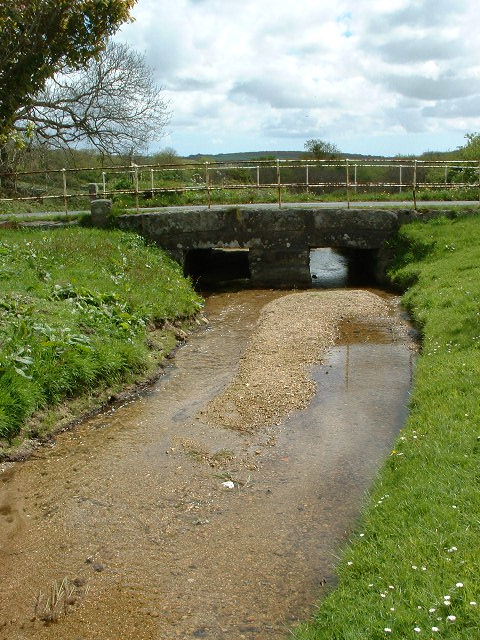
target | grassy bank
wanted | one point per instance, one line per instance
(76, 310)
(253, 195)
(411, 570)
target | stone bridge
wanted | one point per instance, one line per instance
(275, 243)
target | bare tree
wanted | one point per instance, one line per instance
(40, 37)
(113, 105)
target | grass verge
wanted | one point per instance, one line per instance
(15, 207)
(78, 310)
(411, 570)
(122, 202)
(253, 195)
(13, 221)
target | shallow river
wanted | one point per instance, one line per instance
(130, 512)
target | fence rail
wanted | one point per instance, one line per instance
(312, 176)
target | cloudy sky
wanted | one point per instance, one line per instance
(372, 76)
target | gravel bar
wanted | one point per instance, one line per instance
(293, 333)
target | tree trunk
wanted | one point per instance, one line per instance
(7, 179)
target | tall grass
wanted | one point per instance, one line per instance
(253, 195)
(75, 308)
(411, 570)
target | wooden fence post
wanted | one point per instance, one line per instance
(348, 183)
(65, 199)
(207, 183)
(415, 185)
(279, 184)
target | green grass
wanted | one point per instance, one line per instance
(76, 306)
(13, 220)
(237, 196)
(39, 206)
(419, 536)
(253, 195)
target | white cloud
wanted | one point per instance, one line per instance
(278, 72)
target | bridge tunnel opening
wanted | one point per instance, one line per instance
(217, 267)
(333, 267)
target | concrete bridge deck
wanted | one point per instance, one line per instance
(278, 240)
(364, 204)
(403, 204)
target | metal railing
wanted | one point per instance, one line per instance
(305, 175)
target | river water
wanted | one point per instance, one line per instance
(124, 530)
(328, 268)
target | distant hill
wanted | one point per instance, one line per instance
(299, 155)
(249, 155)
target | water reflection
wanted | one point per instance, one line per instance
(328, 268)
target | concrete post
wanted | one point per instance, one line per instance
(93, 190)
(101, 213)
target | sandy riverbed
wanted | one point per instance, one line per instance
(293, 332)
(130, 511)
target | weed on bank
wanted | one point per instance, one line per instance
(76, 306)
(411, 570)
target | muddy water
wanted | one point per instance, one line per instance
(129, 510)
